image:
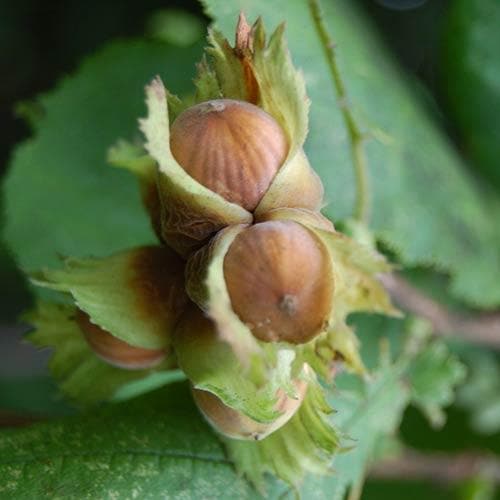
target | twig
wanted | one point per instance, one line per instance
(362, 209)
(438, 467)
(482, 328)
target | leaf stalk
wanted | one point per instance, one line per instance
(356, 137)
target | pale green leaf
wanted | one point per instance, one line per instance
(259, 70)
(211, 364)
(433, 376)
(304, 445)
(281, 89)
(191, 212)
(136, 295)
(356, 267)
(206, 286)
(124, 154)
(81, 375)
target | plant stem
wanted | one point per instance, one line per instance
(362, 207)
(479, 328)
(438, 467)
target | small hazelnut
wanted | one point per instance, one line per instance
(114, 351)
(235, 425)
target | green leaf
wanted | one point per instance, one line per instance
(60, 195)
(281, 88)
(433, 376)
(32, 395)
(478, 487)
(136, 295)
(153, 443)
(356, 265)
(18, 297)
(481, 395)
(132, 157)
(82, 376)
(405, 488)
(176, 26)
(12, 303)
(425, 206)
(472, 79)
(154, 447)
(368, 412)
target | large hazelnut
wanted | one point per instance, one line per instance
(279, 279)
(231, 147)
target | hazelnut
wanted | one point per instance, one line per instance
(231, 147)
(114, 351)
(235, 425)
(280, 281)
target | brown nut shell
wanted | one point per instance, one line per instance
(235, 425)
(231, 147)
(114, 351)
(280, 281)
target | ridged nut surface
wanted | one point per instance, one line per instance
(231, 147)
(280, 282)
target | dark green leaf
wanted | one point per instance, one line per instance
(472, 79)
(409, 490)
(424, 204)
(60, 195)
(481, 395)
(35, 395)
(154, 447)
(158, 445)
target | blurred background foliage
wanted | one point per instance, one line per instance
(448, 50)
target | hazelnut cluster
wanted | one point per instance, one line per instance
(277, 274)
(250, 286)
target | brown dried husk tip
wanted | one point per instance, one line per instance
(231, 147)
(235, 425)
(280, 281)
(114, 351)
